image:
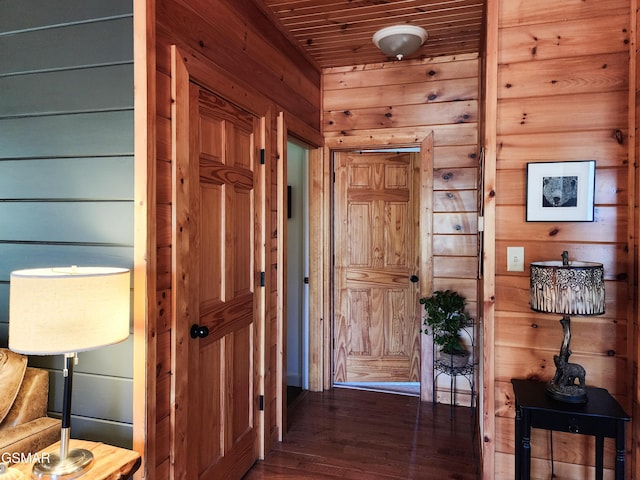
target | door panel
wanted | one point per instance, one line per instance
(377, 328)
(218, 284)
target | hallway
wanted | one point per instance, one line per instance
(361, 435)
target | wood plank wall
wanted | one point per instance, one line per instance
(634, 100)
(400, 103)
(233, 36)
(563, 89)
(66, 175)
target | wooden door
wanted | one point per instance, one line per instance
(214, 285)
(377, 334)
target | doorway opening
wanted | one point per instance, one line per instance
(297, 249)
(376, 271)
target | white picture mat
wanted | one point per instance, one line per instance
(582, 212)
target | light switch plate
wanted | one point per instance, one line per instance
(515, 259)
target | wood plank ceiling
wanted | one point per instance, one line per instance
(339, 32)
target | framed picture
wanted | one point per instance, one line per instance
(561, 191)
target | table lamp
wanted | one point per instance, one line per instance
(67, 310)
(567, 288)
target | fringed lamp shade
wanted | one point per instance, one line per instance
(574, 289)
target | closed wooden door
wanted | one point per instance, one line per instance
(376, 267)
(215, 285)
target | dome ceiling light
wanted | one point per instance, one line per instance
(400, 40)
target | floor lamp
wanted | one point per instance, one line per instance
(567, 288)
(67, 310)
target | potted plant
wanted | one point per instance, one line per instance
(445, 317)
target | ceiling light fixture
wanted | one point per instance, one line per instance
(400, 40)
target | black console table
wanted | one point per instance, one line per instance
(601, 416)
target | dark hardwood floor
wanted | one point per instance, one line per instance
(362, 435)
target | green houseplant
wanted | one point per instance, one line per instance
(445, 317)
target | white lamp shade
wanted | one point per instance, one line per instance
(400, 40)
(68, 309)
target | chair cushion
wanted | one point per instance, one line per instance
(12, 368)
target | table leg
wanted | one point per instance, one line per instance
(518, 446)
(620, 450)
(525, 472)
(599, 456)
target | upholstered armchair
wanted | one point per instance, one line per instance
(24, 425)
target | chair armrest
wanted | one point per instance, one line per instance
(29, 437)
(32, 399)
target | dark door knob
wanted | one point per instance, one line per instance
(413, 279)
(199, 331)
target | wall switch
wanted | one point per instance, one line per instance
(515, 259)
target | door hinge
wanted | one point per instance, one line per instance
(261, 401)
(262, 155)
(262, 279)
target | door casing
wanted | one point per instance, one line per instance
(423, 141)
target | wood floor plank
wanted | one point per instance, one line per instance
(361, 435)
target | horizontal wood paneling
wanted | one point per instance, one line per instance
(89, 397)
(456, 267)
(602, 371)
(593, 73)
(72, 46)
(524, 12)
(538, 114)
(563, 89)
(455, 223)
(564, 38)
(200, 26)
(98, 134)
(111, 87)
(68, 178)
(603, 145)
(455, 178)
(611, 186)
(31, 14)
(66, 174)
(411, 94)
(590, 335)
(611, 255)
(455, 245)
(400, 73)
(609, 227)
(75, 222)
(461, 156)
(444, 135)
(455, 200)
(401, 103)
(400, 116)
(99, 430)
(94, 362)
(14, 256)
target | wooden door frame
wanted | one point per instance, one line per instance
(422, 140)
(191, 68)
